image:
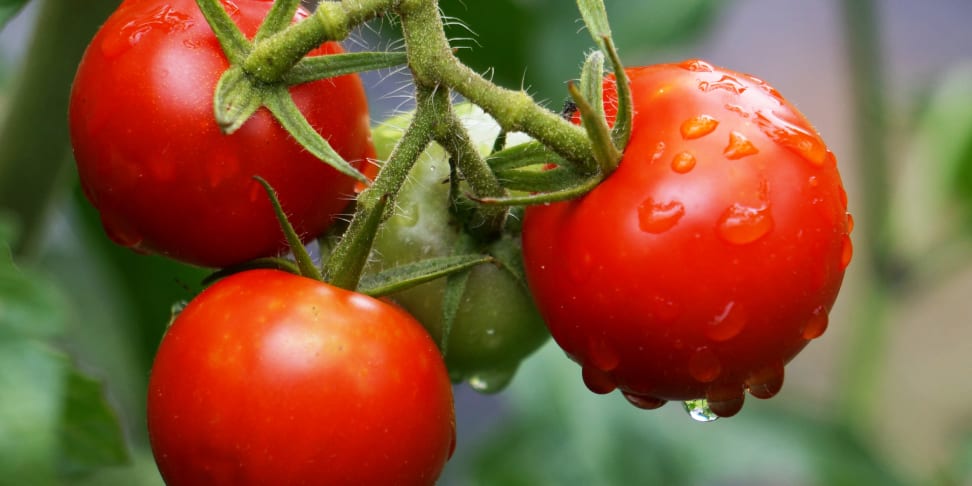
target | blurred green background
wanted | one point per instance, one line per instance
(882, 398)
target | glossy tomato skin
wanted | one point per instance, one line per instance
(709, 258)
(497, 325)
(272, 378)
(153, 161)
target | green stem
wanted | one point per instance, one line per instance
(433, 63)
(866, 349)
(34, 150)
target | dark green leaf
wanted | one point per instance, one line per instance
(29, 305)
(304, 261)
(411, 274)
(90, 432)
(321, 67)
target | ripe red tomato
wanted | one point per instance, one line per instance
(154, 163)
(709, 258)
(272, 378)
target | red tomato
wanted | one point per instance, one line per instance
(709, 258)
(271, 378)
(153, 161)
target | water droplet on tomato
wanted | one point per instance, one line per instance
(699, 410)
(725, 400)
(767, 382)
(602, 355)
(704, 365)
(737, 109)
(739, 146)
(644, 402)
(741, 224)
(659, 152)
(122, 234)
(230, 7)
(698, 126)
(597, 381)
(850, 223)
(813, 181)
(696, 65)
(793, 137)
(491, 381)
(658, 217)
(726, 82)
(683, 162)
(728, 323)
(816, 325)
(165, 18)
(846, 252)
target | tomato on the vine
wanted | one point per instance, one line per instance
(154, 162)
(272, 378)
(497, 324)
(709, 258)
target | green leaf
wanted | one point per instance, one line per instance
(304, 261)
(411, 274)
(281, 104)
(90, 434)
(9, 8)
(236, 99)
(29, 305)
(322, 67)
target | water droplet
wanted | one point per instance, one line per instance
(704, 365)
(697, 65)
(699, 410)
(793, 137)
(659, 152)
(741, 224)
(698, 126)
(602, 355)
(850, 223)
(739, 146)
(491, 381)
(597, 381)
(725, 400)
(683, 162)
(658, 217)
(728, 323)
(644, 402)
(737, 109)
(767, 382)
(816, 325)
(814, 181)
(726, 82)
(165, 18)
(846, 252)
(122, 234)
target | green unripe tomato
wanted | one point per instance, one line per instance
(497, 324)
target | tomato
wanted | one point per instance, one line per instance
(271, 378)
(709, 258)
(497, 324)
(153, 161)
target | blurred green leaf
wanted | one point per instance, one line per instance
(9, 8)
(90, 432)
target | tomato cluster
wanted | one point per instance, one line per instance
(695, 270)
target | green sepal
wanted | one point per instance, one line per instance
(236, 99)
(455, 287)
(278, 18)
(595, 18)
(322, 67)
(623, 119)
(347, 260)
(523, 155)
(304, 261)
(546, 197)
(234, 44)
(411, 274)
(509, 256)
(551, 180)
(605, 153)
(281, 104)
(592, 85)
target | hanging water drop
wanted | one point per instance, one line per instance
(846, 252)
(597, 381)
(644, 402)
(699, 410)
(816, 325)
(491, 381)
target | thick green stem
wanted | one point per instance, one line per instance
(274, 56)
(862, 365)
(34, 150)
(433, 63)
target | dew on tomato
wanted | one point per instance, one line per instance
(698, 126)
(683, 162)
(739, 146)
(658, 217)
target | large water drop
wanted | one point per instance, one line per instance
(699, 410)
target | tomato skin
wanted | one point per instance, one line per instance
(272, 378)
(153, 161)
(496, 325)
(709, 258)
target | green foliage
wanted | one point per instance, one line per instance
(9, 8)
(53, 419)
